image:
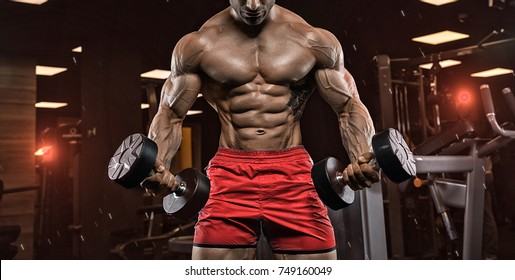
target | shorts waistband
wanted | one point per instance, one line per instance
(298, 152)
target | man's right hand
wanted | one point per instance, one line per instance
(162, 182)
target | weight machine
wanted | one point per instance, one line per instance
(442, 153)
(10, 233)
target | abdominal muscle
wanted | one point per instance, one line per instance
(259, 119)
(260, 138)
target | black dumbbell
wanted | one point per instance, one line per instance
(134, 160)
(392, 155)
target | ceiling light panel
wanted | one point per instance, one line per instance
(440, 37)
(50, 105)
(194, 112)
(438, 2)
(49, 70)
(443, 64)
(33, 2)
(156, 74)
(492, 72)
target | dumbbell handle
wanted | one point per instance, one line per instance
(180, 189)
(339, 175)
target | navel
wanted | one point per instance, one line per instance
(261, 132)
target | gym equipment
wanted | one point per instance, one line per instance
(153, 247)
(442, 191)
(463, 155)
(442, 209)
(15, 190)
(392, 154)
(469, 194)
(510, 99)
(10, 233)
(134, 160)
(488, 105)
(433, 145)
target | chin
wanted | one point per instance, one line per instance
(254, 22)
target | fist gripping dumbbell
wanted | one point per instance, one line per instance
(392, 156)
(134, 160)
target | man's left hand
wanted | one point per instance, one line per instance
(359, 174)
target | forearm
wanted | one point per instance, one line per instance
(356, 128)
(167, 133)
(338, 88)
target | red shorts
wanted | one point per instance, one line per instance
(269, 190)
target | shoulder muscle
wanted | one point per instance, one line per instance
(186, 54)
(327, 49)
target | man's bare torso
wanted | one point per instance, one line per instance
(257, 80)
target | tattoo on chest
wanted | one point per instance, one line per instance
(299, 95)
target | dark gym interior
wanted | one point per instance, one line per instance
(57, 201)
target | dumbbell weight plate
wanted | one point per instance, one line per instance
(191, 196)
(332, 193)
(393, 155)
(133, 161)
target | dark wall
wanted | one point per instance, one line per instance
(111, 99)
(17, 147)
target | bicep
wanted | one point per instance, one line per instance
(179, 94)
(183, 86)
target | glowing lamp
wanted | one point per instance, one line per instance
(464, 97)
(44, 151)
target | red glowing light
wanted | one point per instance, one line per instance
(44, 151)
(464, 97)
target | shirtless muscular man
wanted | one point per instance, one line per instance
(257, 63)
